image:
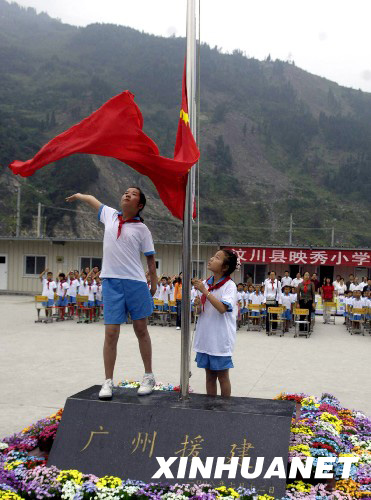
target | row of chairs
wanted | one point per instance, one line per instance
(80, 311)
(358, 320)
(164, 314)
(255, 319)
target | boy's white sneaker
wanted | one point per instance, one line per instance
(178, 327)
(106, 390)
(147, 385)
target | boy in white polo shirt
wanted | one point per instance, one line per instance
(125, 287)
(49, 287)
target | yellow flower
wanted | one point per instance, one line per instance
(9, 495)
(12, 465)
(300, 486)
(109, 482)
(233, 493)
(265, 497)
(70, 475)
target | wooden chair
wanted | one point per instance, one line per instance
(159, 313)
(172, 313)
(275, 318)
(81, 308)
(39, 299)
(257, 309)
(301, 317)
(357, 320)
(329, 312)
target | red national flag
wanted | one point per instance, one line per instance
(115, 130)
(185, 145)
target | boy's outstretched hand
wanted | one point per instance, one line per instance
(73, 197)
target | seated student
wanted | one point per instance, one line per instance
(48, 288)
(73, 284)
(62, 289)
(286, 300)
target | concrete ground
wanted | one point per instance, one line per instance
(42, 364)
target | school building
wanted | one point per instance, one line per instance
(22, 259)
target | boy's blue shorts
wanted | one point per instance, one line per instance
(91, 303)
(50, 303)
(287, 314)
(99, 303)
(71, 300)
(62, 302)
(123, 296)
(214, 363)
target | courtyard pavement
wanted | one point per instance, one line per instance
(42, 364)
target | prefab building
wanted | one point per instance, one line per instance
(22, 259)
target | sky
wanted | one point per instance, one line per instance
(330, 38)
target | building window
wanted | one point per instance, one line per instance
(34, 264)
(158, 267)
(90, 262)
(198, 269)
(255, 273)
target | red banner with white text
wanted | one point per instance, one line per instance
(267, 255)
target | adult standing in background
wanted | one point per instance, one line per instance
(306, 297)
(272, 295)
(315, 282)
(340, 288)
(286, 280)
(350, 281)
(296, 281)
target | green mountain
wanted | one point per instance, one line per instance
(274, 139)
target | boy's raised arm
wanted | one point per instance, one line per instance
(86, 198)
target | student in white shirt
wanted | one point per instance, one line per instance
(294, 294)
(286, 300)
(62, 292)
(48, 290)
(125, 288)
(337, 281)
(340, 287)
(73, 285)
(358, 302)
(286, 280)
(296, 281)
(99, 297)
(165, 290)
(216, 327)
(272, 295)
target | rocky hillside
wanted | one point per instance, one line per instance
(274, 139)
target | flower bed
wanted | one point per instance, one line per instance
(320, 428)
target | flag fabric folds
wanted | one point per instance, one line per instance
(115, 130)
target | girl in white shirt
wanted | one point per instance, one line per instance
(216, 328)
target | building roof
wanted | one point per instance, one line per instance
(61, 241)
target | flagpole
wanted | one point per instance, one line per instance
(188, 210)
